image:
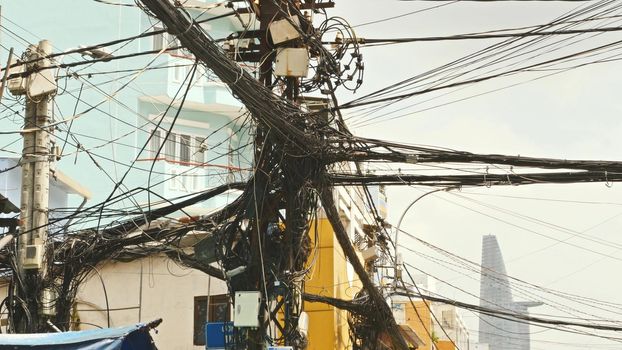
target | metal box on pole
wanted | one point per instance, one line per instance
(246, 313)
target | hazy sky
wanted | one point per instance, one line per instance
(574, 114)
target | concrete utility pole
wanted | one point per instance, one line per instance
(39, 87)
(35, 162)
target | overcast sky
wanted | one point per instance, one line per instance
(575, 114)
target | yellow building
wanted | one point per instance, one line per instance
(418, 318)
(437, 325)
(328, 326)
(332, 276)
(445, 345)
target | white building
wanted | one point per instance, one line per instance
(451, 327)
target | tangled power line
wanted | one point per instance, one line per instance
(297, 153)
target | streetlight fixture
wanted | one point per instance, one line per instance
(397, 271)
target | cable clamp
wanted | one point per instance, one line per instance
(412, 158)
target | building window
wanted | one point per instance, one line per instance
(214, 308)
(165, 40)
(180, 73)
(155, 142)
(200, 318)
(179, 147)
(219, 308)
(184, 148)
(158, 39)
(170, 147)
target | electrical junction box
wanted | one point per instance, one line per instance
(370, 253)
(237, 44)
(33, 257)
(41, 83)
(246, 307)
(282, 30)
(17, 86)
(243, 43)
(292, 62)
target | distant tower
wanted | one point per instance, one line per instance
(495, 293)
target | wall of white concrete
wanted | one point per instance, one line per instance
(167, 292)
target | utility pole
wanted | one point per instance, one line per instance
(38, 85)
(278, 36)
(263, 260)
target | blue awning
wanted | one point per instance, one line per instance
(134, 337)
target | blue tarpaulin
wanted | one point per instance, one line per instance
(134, 337)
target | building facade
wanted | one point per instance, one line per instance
(331, 275)
(151, 288)
(438, 326)
(124, 293)
(62, 190)
(130, 126)
(137, 123)
(450, 330)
